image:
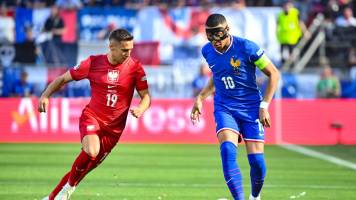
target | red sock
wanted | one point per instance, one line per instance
(93, 164)
(80, 168)
(59, 186)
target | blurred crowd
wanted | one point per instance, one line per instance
(306, 6)
(48, 46)
(75, 4)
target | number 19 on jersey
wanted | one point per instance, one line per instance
(111, 100)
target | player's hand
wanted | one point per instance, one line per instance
(265, 118)
(43, 104)
(136, 112)
(196, 111)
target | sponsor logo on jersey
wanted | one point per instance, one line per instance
(113, 76)
(235, 64)
(144, 78)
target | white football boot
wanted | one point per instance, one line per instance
(254, 198)
(65, 193)
(46, 198)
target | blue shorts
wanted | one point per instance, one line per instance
(251, 129)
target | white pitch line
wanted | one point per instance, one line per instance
(319, 155)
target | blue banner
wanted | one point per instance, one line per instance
(23, 20)
(96, 23)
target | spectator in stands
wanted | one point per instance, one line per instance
(69, 4)
(26, 51)
(7, 25)
(328, 85)
(22, 88)
(289, 29)
(347, 19)
(54, 26)
(201, 80)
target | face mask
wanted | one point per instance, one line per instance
(216, 34)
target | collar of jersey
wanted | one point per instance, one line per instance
(232, 40)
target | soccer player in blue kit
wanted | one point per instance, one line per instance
(239, 108)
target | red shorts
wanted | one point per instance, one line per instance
(89, 125)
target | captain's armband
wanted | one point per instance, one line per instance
(262, 62)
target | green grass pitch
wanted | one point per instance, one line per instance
(169, 172)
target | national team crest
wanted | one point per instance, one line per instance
(235, 63)
(113, 76)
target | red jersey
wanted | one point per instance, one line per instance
(112, 89)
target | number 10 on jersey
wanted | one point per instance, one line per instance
(229, 82)
(111, 100)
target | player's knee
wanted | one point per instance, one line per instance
(91, 145)
(92, 151)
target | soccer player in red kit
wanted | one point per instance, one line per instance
(113, 78)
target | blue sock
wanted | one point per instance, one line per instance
(232, 172)
(257, 172)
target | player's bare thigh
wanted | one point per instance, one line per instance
(253, 147)
(91, 145)
(228, 135)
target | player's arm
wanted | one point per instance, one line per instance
(143, 105)
(270, 70)
(54, 86)
(208, 90)
(273, 77)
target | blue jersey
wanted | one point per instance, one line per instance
(234, 74)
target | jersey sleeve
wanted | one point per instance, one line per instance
(257, 55)
(81, 70)
(203, 51)
(141, 79)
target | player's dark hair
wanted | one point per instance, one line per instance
(215, 20)
(120, 34)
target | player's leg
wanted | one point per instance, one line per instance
(80, 167)
(227, 133)
(89, 130)
(95, 150)
(86, 158)
(257, 167)
(107, 143)
(84, 161)
(59, 187)
(254, 139)
(228, 151)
